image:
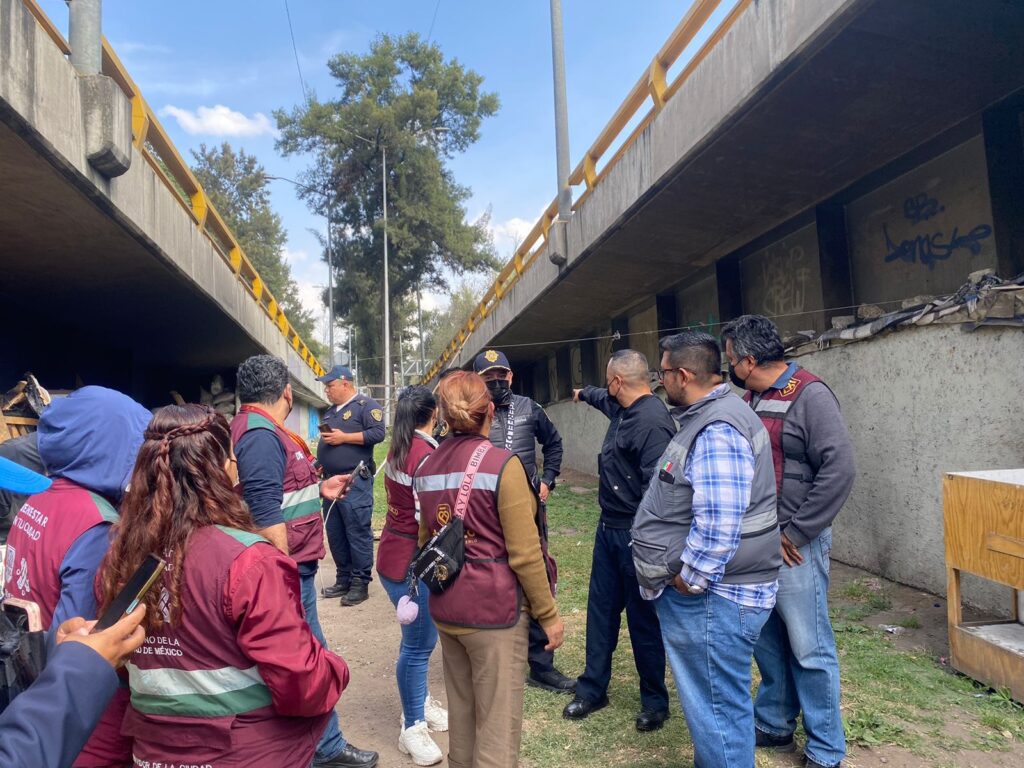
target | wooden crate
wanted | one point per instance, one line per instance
(16, 426)
(984, 533)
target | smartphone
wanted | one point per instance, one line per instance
(360, 467)
(324, 428)
(133, 592)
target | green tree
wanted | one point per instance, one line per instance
(405, 98)
(237, 184)
(441, 325)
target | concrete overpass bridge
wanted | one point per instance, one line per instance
(115, 268)
(809, 158)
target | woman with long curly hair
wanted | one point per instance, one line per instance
(230, 673)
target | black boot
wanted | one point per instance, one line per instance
(356, 594)
(350, 757)
(337, 589)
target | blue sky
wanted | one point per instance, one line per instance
(215, 71)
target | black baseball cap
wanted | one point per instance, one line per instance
(489, 359)
(337, 372)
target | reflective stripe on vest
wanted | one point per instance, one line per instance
(773, 406)
(305, 501)
(197, 693)
(484, 481)
(397, 475)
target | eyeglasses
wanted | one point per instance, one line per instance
(663, 371)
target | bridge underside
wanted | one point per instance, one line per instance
(881, 80)
(84, 301)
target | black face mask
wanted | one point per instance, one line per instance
(501, 394)
(735, 379)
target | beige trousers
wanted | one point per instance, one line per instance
(484, 675)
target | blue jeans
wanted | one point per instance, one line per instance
(331, 742)
(614, 589)
(349, 534)
(797, 659)
(709, 642)
(418, 641)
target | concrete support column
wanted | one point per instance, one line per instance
(1004, 154)
(730, 295)
(834, 259)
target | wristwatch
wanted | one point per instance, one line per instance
(691, 589)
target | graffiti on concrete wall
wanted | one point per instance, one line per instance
(784, 280)
(933, 245)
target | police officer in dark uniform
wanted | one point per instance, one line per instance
(349, 430)
(519, 424)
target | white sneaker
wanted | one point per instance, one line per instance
(436, 715)
(415, 741)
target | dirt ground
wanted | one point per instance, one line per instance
(368, 638)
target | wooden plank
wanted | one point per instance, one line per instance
(987, 662)
(1005, 544)
(978, 511)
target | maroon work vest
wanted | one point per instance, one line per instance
(300, 504)
(196, 699)
(486, 594)
(45, 528)
(401, 529)
(773, 407)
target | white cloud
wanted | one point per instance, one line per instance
(508, 234)
(219, 121)
(295, 258)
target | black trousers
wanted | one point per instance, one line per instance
(614, 588)
(540, 660)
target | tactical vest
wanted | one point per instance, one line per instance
(398, 540)
(663, 518)
(486, 594)
(194, 694)
(514, 429)
(793, 472)
(300, 505)
(45, 528)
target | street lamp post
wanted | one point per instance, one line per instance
(330, 261)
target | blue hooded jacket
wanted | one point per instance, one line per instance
(92, 438)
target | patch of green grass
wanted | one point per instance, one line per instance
(910, 622)
(890, 696)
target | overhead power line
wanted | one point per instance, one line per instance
(430, 32)
(295, 50)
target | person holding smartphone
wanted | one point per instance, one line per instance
(230, 673)
(351, 428)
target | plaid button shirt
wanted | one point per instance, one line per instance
(721, 470)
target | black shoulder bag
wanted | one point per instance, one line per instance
(439, 560)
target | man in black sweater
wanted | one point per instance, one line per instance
(639, 431)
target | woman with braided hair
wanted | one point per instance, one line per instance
(230, 673)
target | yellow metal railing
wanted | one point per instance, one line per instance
(156, 147)
(652, 85)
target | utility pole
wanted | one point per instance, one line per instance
(85, 36)
(330, 288)
(419, 311)
(558, 253)
(387, 293)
